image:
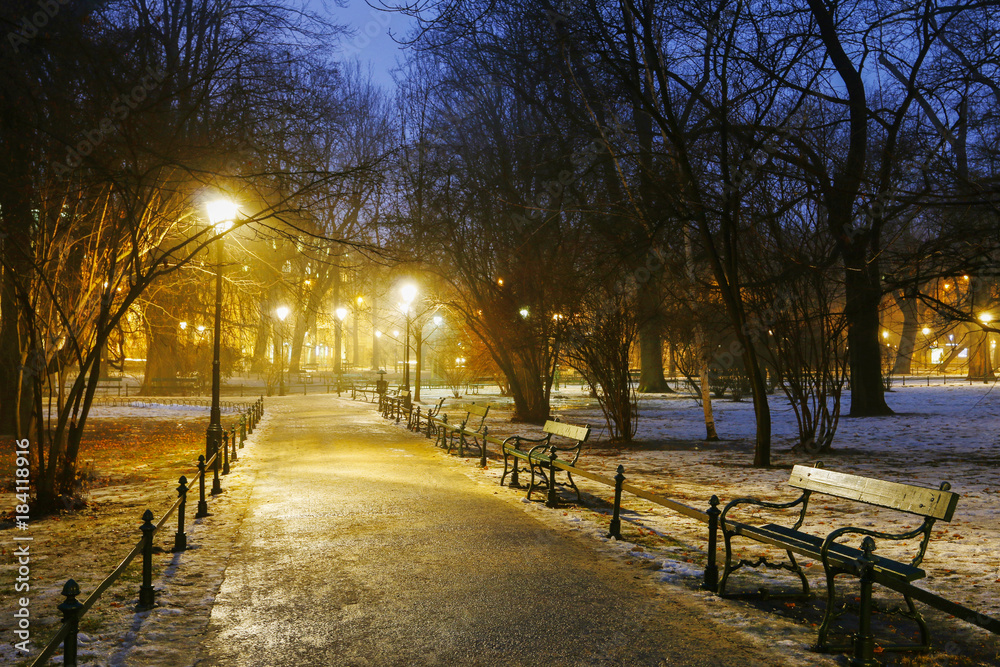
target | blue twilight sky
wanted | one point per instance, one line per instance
(370, 44)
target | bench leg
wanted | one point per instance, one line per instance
(515, 483)
(822, 645)
(541, 473)
(793, 566)
(579, 498)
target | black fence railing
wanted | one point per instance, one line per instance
(73, 610)
(395, 409)
(153, 402)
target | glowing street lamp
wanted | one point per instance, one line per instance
(221, 214)
(282, 313)
(409, 293)
(338, 339)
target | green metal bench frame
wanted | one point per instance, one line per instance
(539, 453)
(837, 558)
(447, 433)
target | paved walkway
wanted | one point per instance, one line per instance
(361, 546)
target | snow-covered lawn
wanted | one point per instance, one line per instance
(940, 433)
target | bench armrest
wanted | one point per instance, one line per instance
(516, 440)
(801, 500)
(924, 529)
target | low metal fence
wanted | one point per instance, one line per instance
(709, 516)
(73, 610)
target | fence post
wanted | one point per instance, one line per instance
(216, 482)
(443, 431)
(864, 641)
(482, 453)
(552, 500)
(711, 579)
(410, 425)
(429, 420)
(202, 505)
(233, 440)
(615, 530)
(243, 430)
(147, 596)
(225, 452)
(71, 617)
(180, 539)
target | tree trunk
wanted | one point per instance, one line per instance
(651, 379)
(419, 350)
(908, 337)
(264, 328)
(163, 350)
(980, 359)
(863, 296)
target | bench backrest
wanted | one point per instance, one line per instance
(919, 500)
(479, 410)
(580, 433)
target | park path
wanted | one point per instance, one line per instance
(362, 546)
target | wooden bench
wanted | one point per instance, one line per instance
(173, 384)
(837, 558)
(471, 426)
(429, 416)
(397, 403)
(368, 392)
(112, 383)
(537, 453)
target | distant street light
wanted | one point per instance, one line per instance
(221, 214)
(409, 292)
(339, 344)
(282, 313)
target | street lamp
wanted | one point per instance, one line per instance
(409, 292)
(221, 214)
(282, 313)
(356, 352)
(339, 344)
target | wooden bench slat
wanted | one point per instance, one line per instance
(478, 410)
(917, 500)
(580, 433)
(809, 545)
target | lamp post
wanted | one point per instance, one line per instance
(409, 292)
(339, 344)
(282, 313)
(356, 354)
(221, 214)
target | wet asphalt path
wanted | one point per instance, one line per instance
(362, 547)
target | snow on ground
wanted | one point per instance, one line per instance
(940, 433)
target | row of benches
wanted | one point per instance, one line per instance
(469, 431)
(931, 505)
